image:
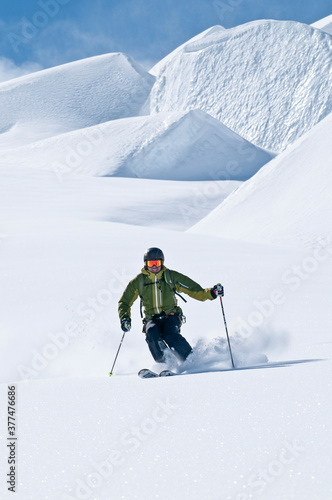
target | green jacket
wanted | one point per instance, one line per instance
(158, 295)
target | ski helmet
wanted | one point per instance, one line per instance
(154, 254)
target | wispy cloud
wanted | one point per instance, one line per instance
(64, 41)
(51, 32)
(9, 70)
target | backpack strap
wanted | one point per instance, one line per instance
(170, 283)
(140, 292)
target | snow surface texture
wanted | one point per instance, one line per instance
(299, 181)
(73, 96)
(70, 241)
(253, 78)
(179, 146)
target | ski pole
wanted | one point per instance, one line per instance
(229, 344)
(116, 357)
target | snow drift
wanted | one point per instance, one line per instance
(72, 96)
(269, 81)
(178, 146)
(288, 201)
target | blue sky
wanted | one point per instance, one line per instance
(43, 33)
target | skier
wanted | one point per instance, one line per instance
(157, 287)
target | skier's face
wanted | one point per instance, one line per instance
(154, 266)
(154, 269)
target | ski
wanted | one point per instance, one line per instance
(146, 373)
(167, 373)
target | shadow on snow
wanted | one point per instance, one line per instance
(275, 364)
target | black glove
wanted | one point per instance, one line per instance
(125, 324)
(217, 290)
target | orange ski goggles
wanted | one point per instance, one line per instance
(151, 263)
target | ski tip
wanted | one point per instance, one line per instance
(146, 373)
(166, 373)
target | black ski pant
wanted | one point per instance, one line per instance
(166, 329)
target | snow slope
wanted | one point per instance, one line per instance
(204, 436)
(324, 24)
(69, 244)
(178, 146)
(298, 182)
(269, 81)
(190, 438)
(51, 195)
(210, 31)
(71, 96)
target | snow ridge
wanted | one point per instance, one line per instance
(176, 146)
(75, 95)
(269, 81)
(298, 181)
